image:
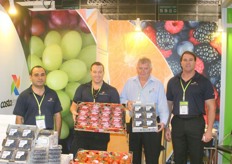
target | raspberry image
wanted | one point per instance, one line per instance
(206, 52)
(174, 27)
(214, 69)
(204, 33)
(174, 66)
(164, 39)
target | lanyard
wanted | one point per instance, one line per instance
(39, 103)
(184, 88)
(95, 95)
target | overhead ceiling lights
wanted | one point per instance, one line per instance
(138, 25)
(12, 9)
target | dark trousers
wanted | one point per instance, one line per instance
(186, 139)
(151, 142)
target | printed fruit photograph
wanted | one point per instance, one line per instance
(172, 38)
(164, 43)
(62, 43)
(67, 42)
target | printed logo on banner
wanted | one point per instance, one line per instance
(15, 85)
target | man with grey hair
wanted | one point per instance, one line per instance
(146, 89)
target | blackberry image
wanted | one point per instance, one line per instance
(164, 39)
(214, 69)
(204, 32)
(174, 66)
(206, 52)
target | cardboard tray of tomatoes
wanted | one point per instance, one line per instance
(102, 157)
(100, 117)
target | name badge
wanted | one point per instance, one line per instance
(40, 122)
(184, 108)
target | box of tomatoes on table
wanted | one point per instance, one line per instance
(100, 117)
(102, 157)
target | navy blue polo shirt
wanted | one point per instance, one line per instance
(199, 90)
(107, 94)
(27, 107)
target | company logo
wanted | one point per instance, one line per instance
(15, 85)
(6, 103)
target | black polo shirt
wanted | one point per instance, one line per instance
(27, 107)
(107, 94)
(199, 90)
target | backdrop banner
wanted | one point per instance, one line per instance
(14, 76)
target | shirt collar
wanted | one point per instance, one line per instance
(90, 84)
(46, 88)
(151, 78)
(197, 75)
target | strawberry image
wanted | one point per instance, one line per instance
(174, 27)
(151, 33)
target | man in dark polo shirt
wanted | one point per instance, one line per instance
(188, 94)
(38, 105)
(94, 91)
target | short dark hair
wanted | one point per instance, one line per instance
(37, 66)
(97, 64)
(190, 53)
